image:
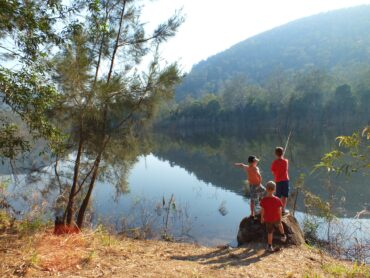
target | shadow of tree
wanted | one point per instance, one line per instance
(223, 257)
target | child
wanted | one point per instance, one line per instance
(254, 179)
(271, 211)
(279, 169)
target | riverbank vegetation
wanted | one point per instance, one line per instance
(37, 252)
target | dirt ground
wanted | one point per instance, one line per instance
(98, 254)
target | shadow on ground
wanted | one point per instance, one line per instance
(225, 256)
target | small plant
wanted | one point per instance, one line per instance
(104, 236)
(356, 270)
(312, 275)
(34, 259)
(29, 226)
(310, 227)
(90, 257)
(5, 220)
(222, 209)
(170, 206)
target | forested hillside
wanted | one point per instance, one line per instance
(337, 42)
(303, 101)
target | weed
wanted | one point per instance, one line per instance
(5, 220)
(29, 226)
(34, 259)
(311, 275)
(90, 257)
(310, 228)
(355, 270)
(104, 236)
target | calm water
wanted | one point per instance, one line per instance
(208, 191)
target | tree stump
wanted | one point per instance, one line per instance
(251, 230)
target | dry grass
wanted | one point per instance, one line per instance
(98, 254)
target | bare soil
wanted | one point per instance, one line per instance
(98, 254)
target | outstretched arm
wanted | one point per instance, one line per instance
(240, 165)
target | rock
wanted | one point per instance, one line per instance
(253, 231)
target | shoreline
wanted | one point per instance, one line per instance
(39, 253)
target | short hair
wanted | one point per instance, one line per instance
(270, 186)
(252, 159)
(279, 151)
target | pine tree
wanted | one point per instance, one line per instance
(105, 94)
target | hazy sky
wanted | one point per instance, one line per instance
(214, 25)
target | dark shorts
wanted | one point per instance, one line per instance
(282, 189)
(270, 226)
(256, 192)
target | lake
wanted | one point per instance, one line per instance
(209, 199)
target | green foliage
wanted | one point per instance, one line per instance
(316, 206)
(11, 143)
(27, 33)
(106, 97)
(32, 99)
(352, 155)
(29, 24)
(310, 230)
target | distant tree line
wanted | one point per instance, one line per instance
(313, 99)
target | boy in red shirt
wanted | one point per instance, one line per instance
(279, 169)
(271, 215)
(254, 179)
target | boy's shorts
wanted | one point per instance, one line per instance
(270, 226)
(282, 189)
(256, 191)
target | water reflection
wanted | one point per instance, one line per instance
(198, 171)
(210, 158)
(152, 179)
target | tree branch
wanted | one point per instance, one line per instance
(117, 41)
(57, 174)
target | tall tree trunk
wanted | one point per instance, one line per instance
(85, 202)
(70, 207)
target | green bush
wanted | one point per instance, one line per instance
(310, 227)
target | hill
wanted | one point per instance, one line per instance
(333, 41)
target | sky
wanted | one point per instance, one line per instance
(212, 26)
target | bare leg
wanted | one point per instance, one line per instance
(281, 228)
(269, 238)
(252, 207)
(284, 201)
